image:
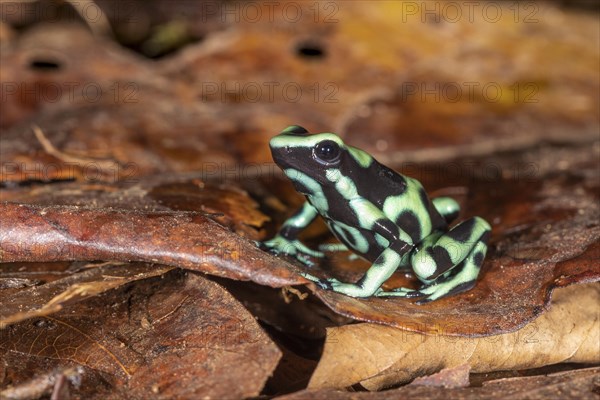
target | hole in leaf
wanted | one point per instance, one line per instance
(310, 50)
(45, 65)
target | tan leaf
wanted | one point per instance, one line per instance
(377, 356)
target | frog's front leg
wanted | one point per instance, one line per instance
(462, 248)
(385, 264)
(286, 241)
(381, 270)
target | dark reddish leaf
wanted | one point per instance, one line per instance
(185, 239)
(226, 203)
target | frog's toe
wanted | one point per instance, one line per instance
(426, 290)
(264, 246)
(415, 293)
(397, 292)
(324, 284)
(301, 247)
(353, 257)
(426, 300)
(305, 260)
(310, 277)
(433, 293)
(316, 254)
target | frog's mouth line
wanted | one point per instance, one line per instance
(279, 160)
(284, 160)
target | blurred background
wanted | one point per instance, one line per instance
(174, 85)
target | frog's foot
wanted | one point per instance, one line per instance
(333, 247)
(437, 291)
(461, 281)
(320, 282)
(294, 248)
(397, 292)
(326, 284)
(349, 289)
(441, 254)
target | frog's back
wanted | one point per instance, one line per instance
(404, 201)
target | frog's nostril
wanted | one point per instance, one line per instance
(288, 149)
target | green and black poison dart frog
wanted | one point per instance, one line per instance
(379, 214)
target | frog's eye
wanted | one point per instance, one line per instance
(327, 151)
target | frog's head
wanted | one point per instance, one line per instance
(320, 157)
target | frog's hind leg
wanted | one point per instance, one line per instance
(333, 247)
(451, 265)
(459, 280)
(447, 207)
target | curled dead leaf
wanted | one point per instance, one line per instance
(50, 298)
(382, 356)
(178, 335)
(184, 239)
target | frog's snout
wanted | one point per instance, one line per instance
(276, 144)
(280, 144)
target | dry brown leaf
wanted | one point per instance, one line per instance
(94, 100)
(50, 298)
(224, 202)
(185, 239)
(377, 356)
(176, 336)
